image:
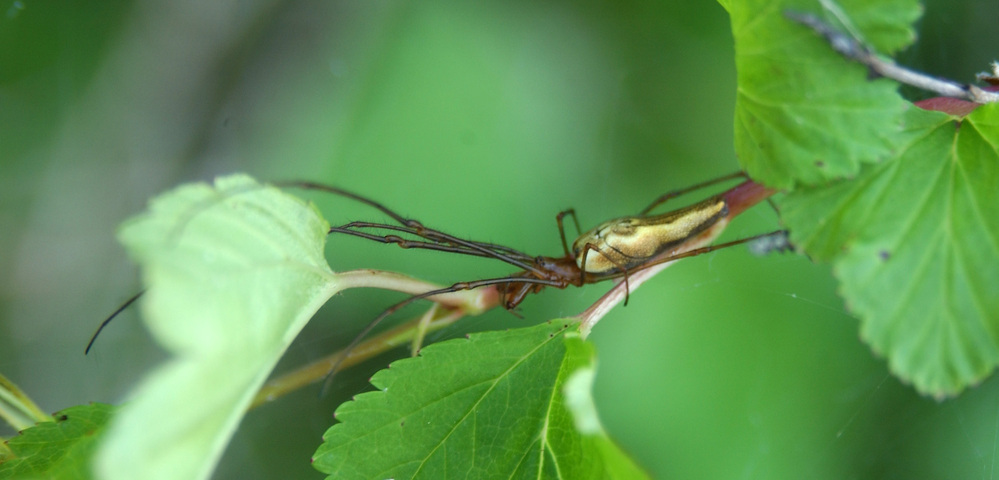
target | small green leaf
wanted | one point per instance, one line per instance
(915, 245)
(804, 114)
(490, 406)
(232, 274)
(59, 449)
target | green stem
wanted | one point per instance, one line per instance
(456, 305)
(372, 347)
(17, 409)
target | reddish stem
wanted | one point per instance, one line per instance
(744, 196)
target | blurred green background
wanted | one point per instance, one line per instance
(484, 120)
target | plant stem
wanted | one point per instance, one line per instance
(853, 49)
(374, 346)
(17, 409)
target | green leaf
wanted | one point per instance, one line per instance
(59, 449)
(232, 274)
(915, 245)
(804, 114)
(489, 406)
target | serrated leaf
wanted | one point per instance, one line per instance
(804, 114)
(232, 272)
(490, 406)
(60, 449)
(915, 245)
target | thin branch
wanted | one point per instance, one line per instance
(376, 345)
(471, 301)
(17, 408)
(853, 49)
